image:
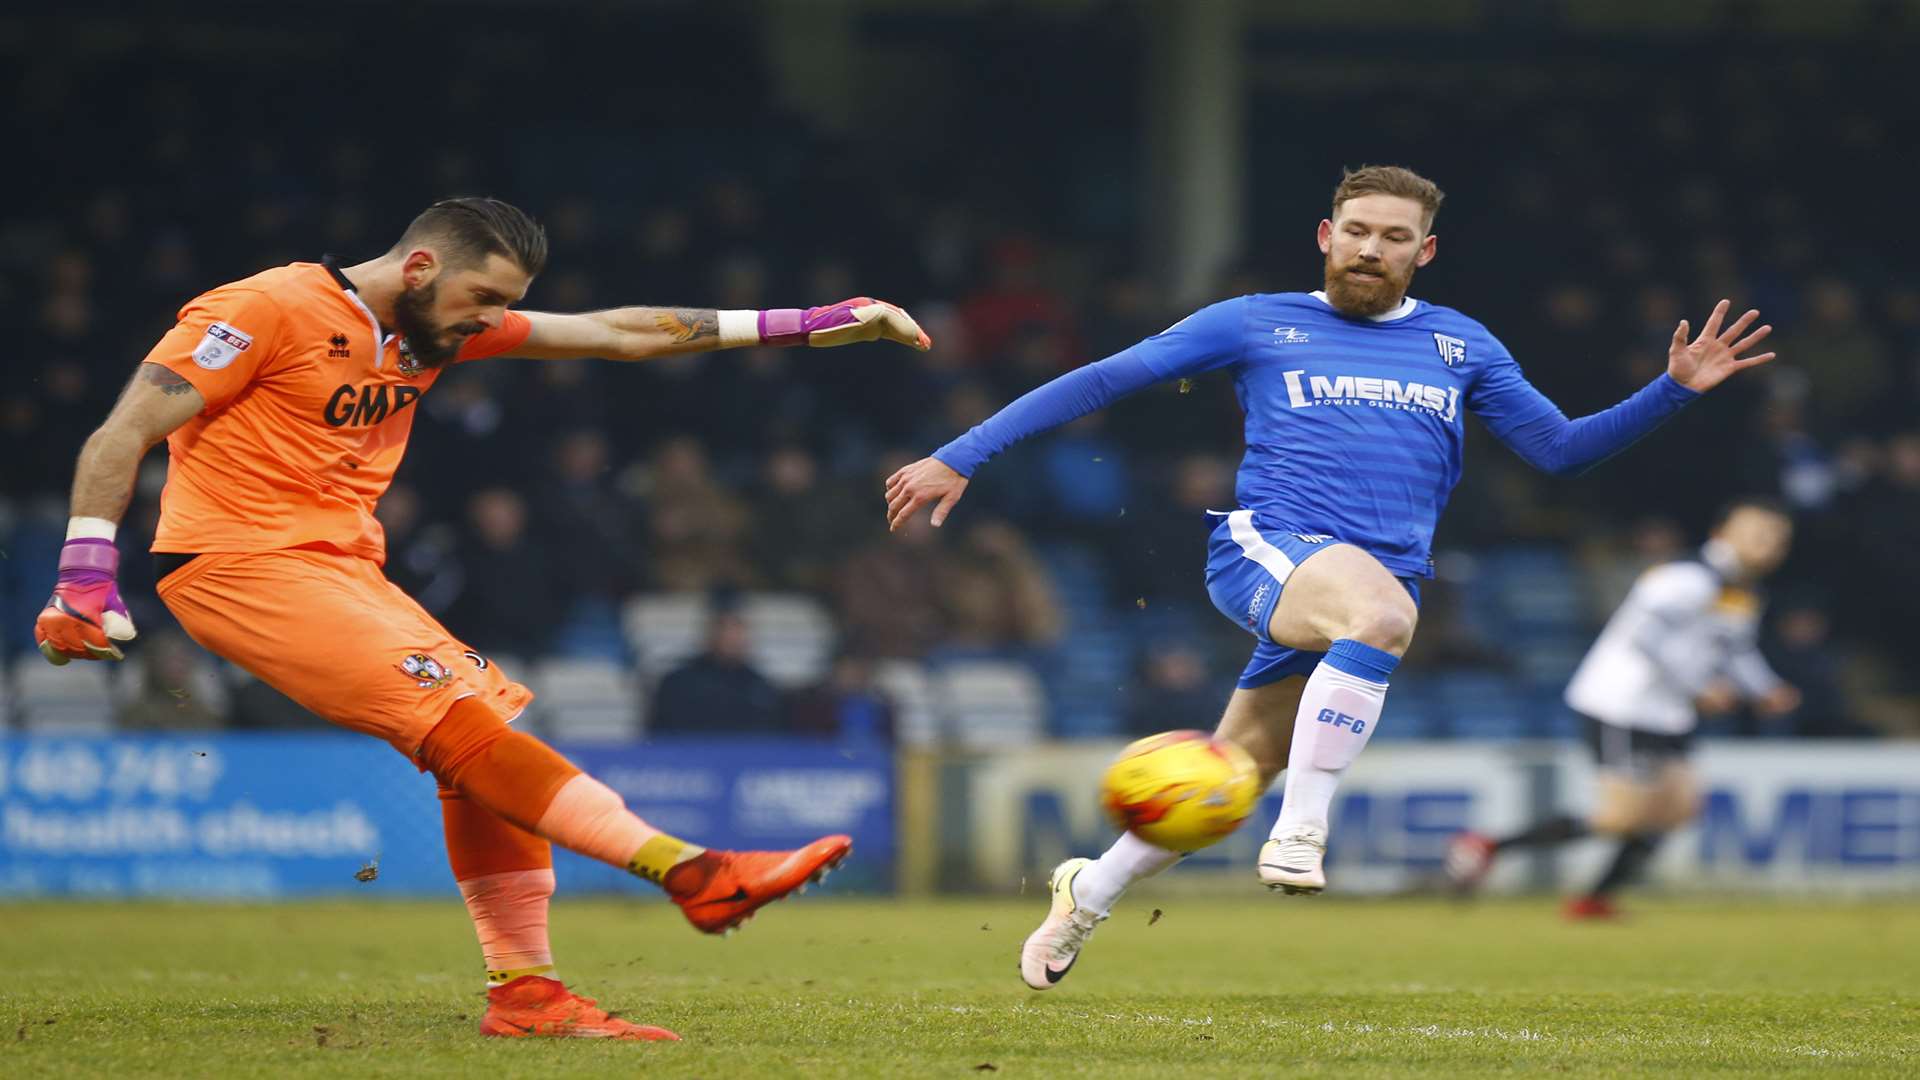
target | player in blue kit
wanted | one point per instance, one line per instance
(1355, 399)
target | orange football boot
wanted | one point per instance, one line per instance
(536, 1007)
(1589, 908)
(720, 890)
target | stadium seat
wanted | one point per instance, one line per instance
(1556, 720)
(990, 704)
(1077, 576)
(592, 629)
(1084, 675)
(1549, 659)
(587, 700)
(1413, 710)
(73, 700)
(1087, 673)
(791, 635)
(1481, 705)
(663, 629)
(26, 576)
(1521, 592)
(916, 719)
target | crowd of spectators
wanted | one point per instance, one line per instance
(537, 494)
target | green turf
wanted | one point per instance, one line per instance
(1264, 986)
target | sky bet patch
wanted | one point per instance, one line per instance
(222, 344)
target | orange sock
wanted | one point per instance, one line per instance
(506, 876)
(523, 780)
(508, 772)
(600, 826)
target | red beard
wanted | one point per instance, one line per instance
(1351, 296)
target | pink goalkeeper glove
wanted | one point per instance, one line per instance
(860, 319)
(84, 617)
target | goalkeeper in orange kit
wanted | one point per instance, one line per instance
(286, 399)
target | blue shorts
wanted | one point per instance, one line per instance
(1249, 559)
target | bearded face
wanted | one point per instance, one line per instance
(1372, 250)
(431, 342)
(1365, 285)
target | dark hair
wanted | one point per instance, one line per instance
(467, 230)
(1389, 180)
(1764, 503)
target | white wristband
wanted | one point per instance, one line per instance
(91, 528)
(738, 328)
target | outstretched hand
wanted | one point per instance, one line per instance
(1706, 361)
(859, 319)
(928, 480)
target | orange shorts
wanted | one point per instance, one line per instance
(332, 633)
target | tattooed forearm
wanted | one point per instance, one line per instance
(103, 477)
(688, 324)
(170, 382)
(641, 332)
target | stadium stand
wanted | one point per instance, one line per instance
(756, 474)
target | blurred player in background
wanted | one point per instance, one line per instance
(1355, 398)
(286, 400)
(1684, 642)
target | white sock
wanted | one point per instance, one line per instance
(1338, 712)
(1130, 859)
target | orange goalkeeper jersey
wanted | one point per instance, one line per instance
(309, 404)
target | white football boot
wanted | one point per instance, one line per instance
(1469, 857)
(1050, 952)
(1290, 862)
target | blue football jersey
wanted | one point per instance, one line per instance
(1354, 426)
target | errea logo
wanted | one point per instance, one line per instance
(1289, 335)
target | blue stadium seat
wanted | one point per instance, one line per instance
(1412, 711)
(1558, 721)
(1481, 705)
(1548, 659)
(1086, 674)
(1085, 677)
(592, 632)
(32, 548)
(1523, 592)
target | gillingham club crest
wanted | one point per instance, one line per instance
(1453, 350)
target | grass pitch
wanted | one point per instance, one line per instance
(823, 987)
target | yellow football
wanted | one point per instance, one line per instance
(1180, 790)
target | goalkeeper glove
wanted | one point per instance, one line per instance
(860, 319)
(85, 616)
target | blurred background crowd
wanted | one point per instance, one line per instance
(699, 544)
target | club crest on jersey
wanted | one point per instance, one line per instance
(410, 366)
(426, 672)
(1289, 335)
(221, 345)
(1453, 350)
